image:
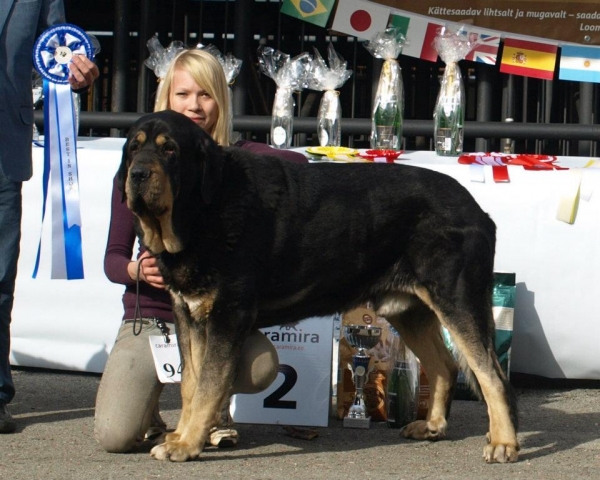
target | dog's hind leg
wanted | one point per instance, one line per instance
(481, 358)
(420, 329)
(468, 317)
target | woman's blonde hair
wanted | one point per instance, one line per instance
(207, 72)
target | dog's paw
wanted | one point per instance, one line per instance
(500, 453)
(175, 452)
(423, 430)
(497, 452)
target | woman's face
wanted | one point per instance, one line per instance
(194, 102)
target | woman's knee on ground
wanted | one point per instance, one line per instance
(259, 364)
(116, 440)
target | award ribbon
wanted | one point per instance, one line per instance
(52, 54)
(500, 161)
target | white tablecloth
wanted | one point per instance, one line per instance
(72, 324)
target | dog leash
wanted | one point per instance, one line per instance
(137, 316)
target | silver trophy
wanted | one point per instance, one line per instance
(362, 337)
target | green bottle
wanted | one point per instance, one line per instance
(388, 111)
(402, 395)
(449, 114)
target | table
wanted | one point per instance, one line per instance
(72, 324)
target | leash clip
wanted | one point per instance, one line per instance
(164, 329)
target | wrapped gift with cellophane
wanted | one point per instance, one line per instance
(231, 67)
(328, 79)
(290, 75)
(449, 113)
(388, 107)
(160, 58)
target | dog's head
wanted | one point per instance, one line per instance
(169, 164)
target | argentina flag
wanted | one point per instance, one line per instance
(579, 63)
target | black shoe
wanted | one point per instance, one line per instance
(7, 424)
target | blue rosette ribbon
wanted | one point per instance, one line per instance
(52, 54)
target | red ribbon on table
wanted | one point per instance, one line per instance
(528, 161)
(500, 161)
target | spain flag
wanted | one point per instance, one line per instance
(529, 59)
(313, 11)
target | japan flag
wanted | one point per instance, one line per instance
(360, 18)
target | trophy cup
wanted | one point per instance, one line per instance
(362, 337)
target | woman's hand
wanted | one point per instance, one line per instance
(148, 271)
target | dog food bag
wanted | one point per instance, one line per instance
(424, 389)
(379, 365)
(503, 305)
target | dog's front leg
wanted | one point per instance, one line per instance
(215, 366)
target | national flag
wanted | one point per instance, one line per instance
(579, 63)
(529, 59)
(313, 11)
(360, 18)
(485, 48)
(419, 33)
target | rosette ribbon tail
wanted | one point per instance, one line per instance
(61, 173)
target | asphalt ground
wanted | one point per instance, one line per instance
(559, 435)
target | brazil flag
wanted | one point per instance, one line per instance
(312, 11)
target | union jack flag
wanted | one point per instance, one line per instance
(485, 49)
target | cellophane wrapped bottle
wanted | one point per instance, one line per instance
(329, 128)
(449, 113)
(402, 386)
(282, 118)
(388, 108)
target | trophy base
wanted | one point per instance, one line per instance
(351, 422)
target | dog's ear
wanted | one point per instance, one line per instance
(210, 156)
(122, 172)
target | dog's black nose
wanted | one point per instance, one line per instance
(139, 174)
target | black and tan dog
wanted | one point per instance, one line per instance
(245, 242)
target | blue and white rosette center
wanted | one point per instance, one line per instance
(55, 48)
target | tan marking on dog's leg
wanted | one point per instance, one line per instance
(503, 444)
(187, 442)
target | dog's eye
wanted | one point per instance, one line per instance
(134, 147)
